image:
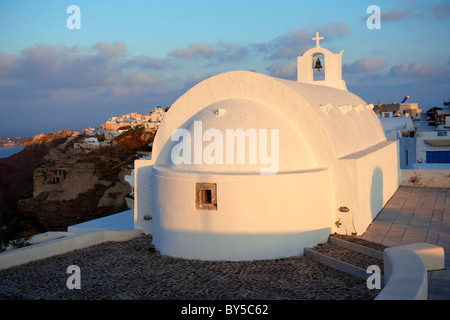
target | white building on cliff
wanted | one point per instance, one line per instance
(313, 159)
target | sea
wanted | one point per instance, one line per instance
(5, 152)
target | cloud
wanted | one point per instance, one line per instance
(56, 66)
(420, 70)
(191, 80)
(284, 69)
(338, 29)
(114, 49)
(43, 79)
(286, 46)
(418, 11)
(221, 51)
(59, 66)
(291, 44)
(145, 79)
(395, 14)
(6, 63)
(359, 73)
(364, 65)
(231, 52)
(145, 62)
(75, 80)
(297, 41)
(194, 50)
(440, 11)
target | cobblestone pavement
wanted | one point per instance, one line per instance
(129, 271)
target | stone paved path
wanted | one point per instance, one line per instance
(417, 215)
(127, 270)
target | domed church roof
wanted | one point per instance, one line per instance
(240, 135)
(316, 124)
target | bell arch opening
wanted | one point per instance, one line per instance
(318, 65)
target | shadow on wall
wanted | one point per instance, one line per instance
(236, 246)
(376, 192)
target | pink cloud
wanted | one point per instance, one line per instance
(220, 51)
(145, 79)
(441, 11)
(297, 41)
(194, 50)
(111, 49)
(365, 65)
(418, 70)
(428, 11)
(285, 69)
(6, 63)
(395, 14)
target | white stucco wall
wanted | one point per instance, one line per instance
(142, 195)
(333, 153)
(257, 216)
(332, 68)
(392, 125)
(364, 182)
(425, 178)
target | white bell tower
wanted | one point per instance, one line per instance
(332, 69)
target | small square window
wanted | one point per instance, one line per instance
(206, 196)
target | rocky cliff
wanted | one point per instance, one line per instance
(51, 185)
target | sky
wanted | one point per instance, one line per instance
(132, 56)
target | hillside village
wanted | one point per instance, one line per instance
(68, 177)
(105, 134)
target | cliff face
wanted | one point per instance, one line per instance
(16, 182)
(134, 139)
(64, 180)
(51, 185)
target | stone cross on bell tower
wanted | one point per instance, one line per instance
(317, 38)
(332, 66)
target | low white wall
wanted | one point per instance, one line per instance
(58, 246)
(405, 271)
(425, 178)
(405, 276)
(118, 221)
(257, 216)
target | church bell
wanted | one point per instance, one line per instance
(318, 65)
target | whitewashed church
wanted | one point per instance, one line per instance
(246, 166)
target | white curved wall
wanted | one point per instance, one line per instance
(257, 217)
(290, 151)
(255, 87)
